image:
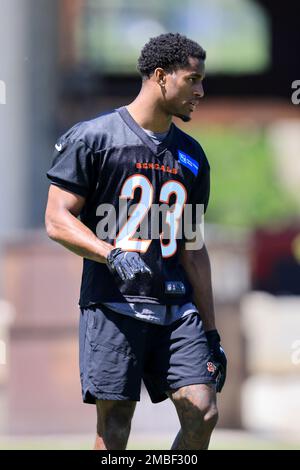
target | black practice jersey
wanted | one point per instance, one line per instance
(114, 165)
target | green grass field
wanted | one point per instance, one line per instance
(221, 440)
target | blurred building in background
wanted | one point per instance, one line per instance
(70, 60)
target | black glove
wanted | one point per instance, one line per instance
(127, 264)
(218, 358)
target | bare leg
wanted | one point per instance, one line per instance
(113, 424)
(198, 415)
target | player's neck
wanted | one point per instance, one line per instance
(148, 115)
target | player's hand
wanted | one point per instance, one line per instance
(127, 264)
(218, 357)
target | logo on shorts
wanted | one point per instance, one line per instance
(211, 367)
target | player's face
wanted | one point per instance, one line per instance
(184, 89)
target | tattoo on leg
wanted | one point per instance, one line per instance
(113, 424)
(197, 412)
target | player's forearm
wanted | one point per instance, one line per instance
(70, 232)
(197, 267)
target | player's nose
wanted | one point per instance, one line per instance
(199, 90)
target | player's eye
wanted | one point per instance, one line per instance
(193, 79)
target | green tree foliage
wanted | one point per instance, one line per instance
(245, 188)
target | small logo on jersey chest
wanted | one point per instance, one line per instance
(188, 162)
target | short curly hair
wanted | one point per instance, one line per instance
(169, 51)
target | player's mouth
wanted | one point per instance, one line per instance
(187, 108)
(193, 105)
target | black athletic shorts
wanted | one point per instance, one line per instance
(117, 352)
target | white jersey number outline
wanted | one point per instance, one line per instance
(125, 238)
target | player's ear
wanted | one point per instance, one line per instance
(160, 76)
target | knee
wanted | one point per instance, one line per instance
(196, 431)
(202, 421)
(206, 418)
(210, 417)
(198, 414)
